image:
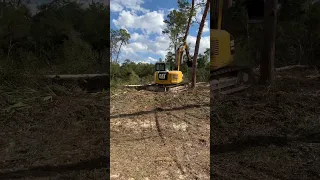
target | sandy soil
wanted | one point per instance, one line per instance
(261, 133)
(269, 132)
(160, 135)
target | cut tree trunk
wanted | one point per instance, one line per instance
(196, 50)
(268, 48)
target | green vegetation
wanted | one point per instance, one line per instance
(297, 39)
(130, 72)
(64, 36)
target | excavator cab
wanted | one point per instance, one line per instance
(163, 66)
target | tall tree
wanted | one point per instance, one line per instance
(170, 57)
(203, 59)
(94, 28)
(268, 48)
(176, 24)
(192, 13)
(114, 40)
(196, 50)
(124, 37)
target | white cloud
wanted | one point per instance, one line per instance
(143, 44)
(143, 62)
(128, 50)
(152, 59)
(204, 43)
(150, 22)
(200, 11)
(137, 37)
(158, 47)
(206, 27)
(142, 48)
(133, 5)
(137, 47)
(115, 7)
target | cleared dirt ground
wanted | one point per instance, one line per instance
(160, 135)
(269, 132)
(46, 135)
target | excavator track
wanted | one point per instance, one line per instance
(231, 79)
(160, 88)
(166, 88)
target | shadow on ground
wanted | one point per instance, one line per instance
(47, 170)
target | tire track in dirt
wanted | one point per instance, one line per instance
(49, 170)
(162, 153)
(263, 140)
(188, 165)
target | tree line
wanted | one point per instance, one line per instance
(63, 36)
(132, 72)
(297, 34)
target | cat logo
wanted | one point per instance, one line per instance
(162, 76)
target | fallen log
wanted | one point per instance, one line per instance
(87, 82)
(141, 85)
(313, 77)
(291, 67)
(284, 68)
(76, 76)
(137, 85)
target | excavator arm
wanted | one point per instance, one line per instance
(181, 49)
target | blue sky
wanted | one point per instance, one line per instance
(143, 19)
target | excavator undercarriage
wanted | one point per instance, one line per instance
(231, 79)
(163, 88)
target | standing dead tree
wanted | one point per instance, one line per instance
(196, 50)
(268, 48)
(187, 31)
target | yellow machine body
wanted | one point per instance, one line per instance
(168, 77)
(222, 49)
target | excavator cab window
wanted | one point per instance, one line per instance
(255, 10)
(163, 67)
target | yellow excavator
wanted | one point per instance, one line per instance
(166, 75)
(226, 77)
